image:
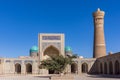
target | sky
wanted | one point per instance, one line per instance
(22, 20)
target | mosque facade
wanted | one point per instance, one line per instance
(54, 44)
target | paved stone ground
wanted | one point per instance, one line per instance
(81, 77)
(97, 77)
(22, 78)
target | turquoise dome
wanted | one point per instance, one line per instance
(34, 49)
(68, 49)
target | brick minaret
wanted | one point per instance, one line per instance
(99, 40)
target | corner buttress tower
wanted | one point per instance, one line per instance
(99, 40)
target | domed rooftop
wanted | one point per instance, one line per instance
(34, 49)
(68, 49)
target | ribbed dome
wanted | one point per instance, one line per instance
(68, 49)
(34, 49)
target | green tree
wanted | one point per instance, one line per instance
(74, 56)
(56, 64)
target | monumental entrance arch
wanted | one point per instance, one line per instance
(50, 45)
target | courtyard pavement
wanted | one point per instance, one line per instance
(81, 77)
(97, 77)
(23, 78)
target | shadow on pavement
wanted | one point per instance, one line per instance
(104, 76)
(43, 76)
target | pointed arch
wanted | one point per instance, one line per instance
(84, 68)
(101, 68)
(28, 68)
(51, 51)
(18, 68)
(117, 67)
(110, 67)
(74, 68)
(105, 68)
